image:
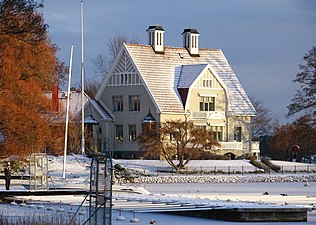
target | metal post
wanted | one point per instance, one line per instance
(82, 84)
(100, 211)
(91, 185)
(67, 112)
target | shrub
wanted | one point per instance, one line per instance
(272, 166)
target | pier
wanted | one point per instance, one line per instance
(200, 208)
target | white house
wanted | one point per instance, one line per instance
(172, 83)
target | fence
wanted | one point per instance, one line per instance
(160, 171)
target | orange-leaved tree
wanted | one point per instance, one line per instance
(28, 68)
(176, 141)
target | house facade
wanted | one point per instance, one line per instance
(172, 83)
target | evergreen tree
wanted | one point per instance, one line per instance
(305, 99)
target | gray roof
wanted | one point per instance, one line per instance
(189, 73)
(190, 30)
(101, 110)
(164, 73)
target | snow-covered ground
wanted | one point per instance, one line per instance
(77, 176)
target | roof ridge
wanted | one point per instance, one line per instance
(170, 47)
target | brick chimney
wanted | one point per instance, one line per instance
(55, 107)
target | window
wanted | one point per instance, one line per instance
(117, 102)
(207, 83)
(201, 127)
(217, 132)
(132, 132)
(126, 78)
(119, 132)
(130, 81)
(173, 135)
(207, 103)
(134, 103)
(237, 134)
(122, 79)
(152, 38)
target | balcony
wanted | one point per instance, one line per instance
(231, 146)
(208, 115)
(239, 146)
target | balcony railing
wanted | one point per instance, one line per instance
(205, 115)
(234, 146)
(231, 146)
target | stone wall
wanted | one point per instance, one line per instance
(228, 179)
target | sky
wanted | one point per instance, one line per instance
(264, 41)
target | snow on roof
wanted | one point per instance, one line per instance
(101, 110)
(74, 105)
(189, 73)
(163, 72)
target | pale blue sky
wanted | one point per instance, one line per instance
(263, 40)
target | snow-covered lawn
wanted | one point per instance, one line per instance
(79, 164)
(77, 176)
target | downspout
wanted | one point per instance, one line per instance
(250, 135)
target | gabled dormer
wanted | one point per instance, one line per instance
(199, 81)
(191, 41)
(155, 37)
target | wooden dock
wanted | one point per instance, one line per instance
(50, 192)
(219, 210)
(251, 214)
(211, 209)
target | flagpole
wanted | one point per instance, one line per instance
(67, 112)
(82, 84)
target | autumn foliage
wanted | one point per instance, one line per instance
(28, 68)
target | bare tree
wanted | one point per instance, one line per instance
(177, 142)
(104, 63)
(262, 123)
(91, 88)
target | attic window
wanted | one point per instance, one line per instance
(207, 83)
(180, 55)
